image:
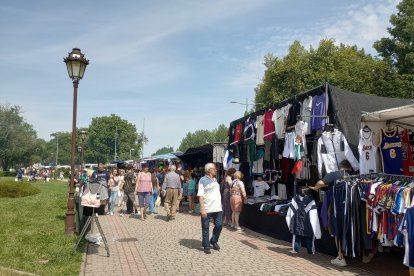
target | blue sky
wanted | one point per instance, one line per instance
(176, 63)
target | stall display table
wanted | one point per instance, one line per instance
(275, 226)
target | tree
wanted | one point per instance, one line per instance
(106, 132)
(17, 138)
(164, 150)
(202, 137)
(399, 48)
(342, 65)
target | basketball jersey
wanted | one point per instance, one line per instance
(407, 156)
(391, 151)
(367, 153)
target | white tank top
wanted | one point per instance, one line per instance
(367, 153)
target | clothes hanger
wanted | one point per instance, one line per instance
(366, 128)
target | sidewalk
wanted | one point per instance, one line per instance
(158, 247)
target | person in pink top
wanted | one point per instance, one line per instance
(143, 189)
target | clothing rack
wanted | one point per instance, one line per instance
(373, 175)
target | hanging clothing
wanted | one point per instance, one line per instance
(269, 126)
(319, 109)
(332, 149)
(260, 130)
(289, 148)
(407, 155)
(279, 119)
(237, 132)
(302, 220)
(306, 113)
(249, 129)
(391, 152)
(301, 128)
(367, 152)
(294, 112)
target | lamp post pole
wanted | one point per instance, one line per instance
(83, 134)
(76, 65)
(130, 156)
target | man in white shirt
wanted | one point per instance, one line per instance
(260, 187)
(210, 207)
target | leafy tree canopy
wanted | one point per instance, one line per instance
(399, 48)
(164, 150)
(17, 138)
(202, 137)
(106, 132)
(345, 66)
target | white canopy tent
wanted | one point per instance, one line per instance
(399, 116)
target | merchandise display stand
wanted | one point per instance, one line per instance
(85, 227)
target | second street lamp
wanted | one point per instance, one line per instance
(130, 156)
(83, 135)
(76, 66)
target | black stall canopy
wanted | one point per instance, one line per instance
(198, 156)
(344, 109)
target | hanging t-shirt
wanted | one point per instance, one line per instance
(301, 128)
(391, 152)
(306, 112)
(289, 148)
(279, 119)
(237, 132)
(260, 130)
(248, 131)
(407, 155)
(319, 106)
(367, 152)
(269, 126)
(260, 187)
(294, 112)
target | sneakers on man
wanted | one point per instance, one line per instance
(207, 250)
(339, 262)
(367, 259)
(215, 246)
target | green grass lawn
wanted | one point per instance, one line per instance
(32, 232)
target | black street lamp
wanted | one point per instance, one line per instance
(76, 65)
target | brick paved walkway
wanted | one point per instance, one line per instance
(174, 248)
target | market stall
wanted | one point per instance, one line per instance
(296, 142)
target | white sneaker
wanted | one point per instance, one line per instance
(111, 213)
(339, 262)
(238, 228)
(121, 214)
(96, 214)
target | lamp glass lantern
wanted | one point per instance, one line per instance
(76, 64)
(83, 134)
(79, 148)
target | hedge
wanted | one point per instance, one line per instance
(6, 174)
(11, 188)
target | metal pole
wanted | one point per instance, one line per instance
(247, 104)
(143, 134)
(57, 148)
(82, 162)
(116, 134)
(70, 211)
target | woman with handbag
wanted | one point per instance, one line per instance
(237, 198)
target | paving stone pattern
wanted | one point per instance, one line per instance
(174, 248)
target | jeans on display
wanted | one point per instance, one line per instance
(153, 200)
(112, 200)
(205, 225)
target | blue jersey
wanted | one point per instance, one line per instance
(391, 151)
